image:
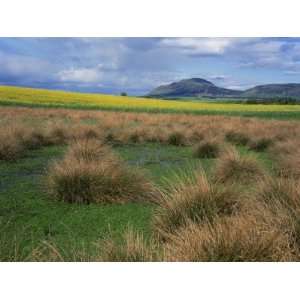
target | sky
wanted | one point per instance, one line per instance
(137, 65)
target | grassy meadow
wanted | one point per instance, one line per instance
(123, 184)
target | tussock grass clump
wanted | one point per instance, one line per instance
(207, 149)
(237, 138)
(280, 190)
(15, 140)
(11, 148)
(135, 138)
(58, 134)
(232, 167)
(89, 150)
(287, 147)
(281, 197)
(288, 165)
(278, 201)
(260, 144)
(83, 177)
(157, 135)
(86, 132)
(199, 201)
(35, 138)
(239, 238)
(136, 135)
(111, 138)
(176, 139)
(286, 156)
(196, 136)
(132, 248)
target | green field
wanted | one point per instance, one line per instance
(16, 96)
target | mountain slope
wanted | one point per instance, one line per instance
(197, 87)
(274, 90)
(193, 87)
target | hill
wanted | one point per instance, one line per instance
(291, 90)
(194, 87)
(198, 87)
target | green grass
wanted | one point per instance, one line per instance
(27, 211)
(28, 215)
(16, 96)
(163, 163)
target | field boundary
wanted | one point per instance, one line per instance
(276, 115)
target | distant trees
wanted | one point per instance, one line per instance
(272, 100)
(123, 94)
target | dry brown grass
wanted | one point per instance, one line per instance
(58, 126)
(237, 138)
(210, 148)
(239, 238)
(285, 147)
(198, 201)
(11, 148)
(84, 131)
(232, 167)
(135, 135)
(288, 165)
(90, 174)
(195, 136)
(176, 138)
(281, 198)
(58, 134)
(32, 138)
(260, 144)
(89, 150)
(132, 248)
(281, 190)
(286, 157)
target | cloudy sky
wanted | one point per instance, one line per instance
(136, 65)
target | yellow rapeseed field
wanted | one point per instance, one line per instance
(30, 96)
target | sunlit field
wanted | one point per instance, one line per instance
(47, 98)
(88, 185)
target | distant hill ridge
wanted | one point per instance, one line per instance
(198, 87)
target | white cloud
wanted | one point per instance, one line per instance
(267, 53)
(238, 87)
(218, 77)
(17, 65)
(246, 52)
(266, 47)
(296, 73)
(80, 75)
(199, 46)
